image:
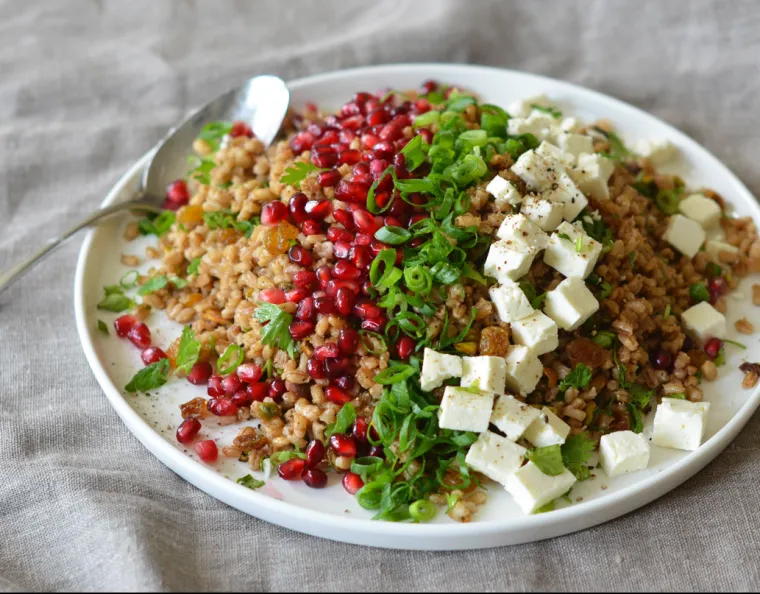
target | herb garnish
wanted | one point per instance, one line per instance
(275, 332)
(188, 351)
(295, 174)
(151, 377)
(250, 482)
(103, 327)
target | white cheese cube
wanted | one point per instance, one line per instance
(538, 123)
(438, 367)
(538, 173)
(503, 191)
(522, 108)
(623, 452)
(575, 144)
(565, 192)
(495, 456)
(704, 322)
(510, 301)
(518, 227)
(592, 174)
(563, 255)
(570, 304)
(523, 369)
(489, 372)
(715, 248)
(548, 429)
(532, 489)
(543, 213)
(463, 410)
(680, 424)
(715, 234)
(537, 331)
(513, 417)
(701, 209)
(597, 163)
(572, 125)
(685, 235)
(658, 151)
(548, 151)
(509, 260)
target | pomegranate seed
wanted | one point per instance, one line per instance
(343, 270)
(329, 350)
(391, 131)
(345, 382)
(377, 167)
(367, 310)
(315, 129)
(350, 108)
(301, 142)
(345, 218)
(324, 160)
(311, 227)
(422, 105)
(249, 372)
(717, 284)
(335, 234)
(139, 335)
(350, 157)
(291, 469)
(123, 324)
(426, 134)
(377, 451)
(344, 300)
(348, 341)
(712, 347)
(662, 360)
(369, 140)
(315, 452)
(200, 373)
(360, 169)
(324, 275)
(316, 368)
(352, 483)
(297, 207)
(343, 445)
(215, 386)
(384, 150)
(360, 430)
(377, 117)
(273, 213)
(341, 249)
(300, 330)
(314, 478)
(277, 388)
(368, 289)
(328, 179)
(222, 407)
(336, 367)
(188, 429)
(405, 347)
(231, 384)
(392, 222)
(207, 451)
(257, 392)
(318, 209)
(306, 311)
(337, 395)
(365, 222)
(325, 305)
(241, 399)
(296, 295)
(375, 325)
(177, 192)
(240, 129)
(329, 137)
(429, 86)
(346, 136)
(362, 239)
(276, 296)
(353, 123)
(306, 279)
(332, 287)
(352, 191)
(152, 355)
(360, 256)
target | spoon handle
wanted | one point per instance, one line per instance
(8, 276)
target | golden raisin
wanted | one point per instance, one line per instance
(190, 215)
(228, 236)
(467, 348)
(583, 350)
(194, 408)
(494, 341)
(277, 239)
(190, 299)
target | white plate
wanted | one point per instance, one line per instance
(331, 513)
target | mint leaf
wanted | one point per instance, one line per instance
(250, 482)
(188, 351)
(343, 421)
(155, 284)
(149, 378)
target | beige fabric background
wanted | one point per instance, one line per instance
(87, 86)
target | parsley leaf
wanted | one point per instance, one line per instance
(156, 225)
(152, 376)
(636, 419)
(250, 482)
(115, 300)
(343, 421)
(548, 459)
(213, 132)
(192, 268)
(546, 508)
(294, 175)
(275, 333)
(188, 351)
(226, 219)
(577, 378)
(103, 327)
(576, 452)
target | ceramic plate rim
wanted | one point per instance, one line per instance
(418, 536)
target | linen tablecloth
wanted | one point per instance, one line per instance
(87, 86)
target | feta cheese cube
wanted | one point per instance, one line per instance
(512, 417)
(570, 304)
(538, 173)
(598, 163)
(522, 108)
(572, 125)
(489, 372)
(518, 227)
(503, 191)
(523, 369)
(623, 452)
(509, 260)
(715, 248)
(680, 424)
(438, 367)
(548, 151)
(701, 209)
(495, 456)
(704, 322)
(562, 252)
(565, 192)
(510, 301)
(462, 410)
(548, 429)
(537, 331)
(537, 123)
(575, 144)
(658, 151)
(591, 175)
(685, 235)
(543, 213)
(532, 489)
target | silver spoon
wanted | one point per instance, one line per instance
(262, 102)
